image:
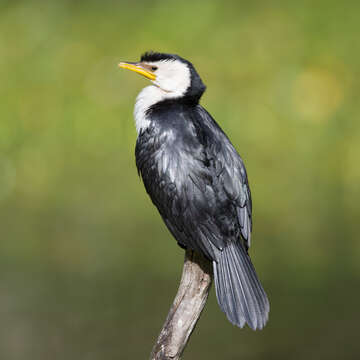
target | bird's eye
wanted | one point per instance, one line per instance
(153, 68)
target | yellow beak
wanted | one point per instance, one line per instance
(138, 69)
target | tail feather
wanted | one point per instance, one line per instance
(238, 290)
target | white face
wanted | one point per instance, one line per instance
(172, 76)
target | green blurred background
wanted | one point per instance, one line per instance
(87, 268)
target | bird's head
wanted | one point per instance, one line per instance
(175, 76)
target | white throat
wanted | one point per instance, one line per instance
(173, 78)
(147, 97)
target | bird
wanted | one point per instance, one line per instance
(197, 181)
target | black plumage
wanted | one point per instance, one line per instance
(198, 182)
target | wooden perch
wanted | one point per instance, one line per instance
(186, 309)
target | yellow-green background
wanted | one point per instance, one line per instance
(87, 269)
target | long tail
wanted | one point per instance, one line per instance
(238, 290)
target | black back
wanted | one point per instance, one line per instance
(194, 177)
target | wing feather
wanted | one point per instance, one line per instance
(197, 181)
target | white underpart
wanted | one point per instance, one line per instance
(172, 80)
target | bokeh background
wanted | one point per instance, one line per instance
(87, 268)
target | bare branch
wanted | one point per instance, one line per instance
(186, 309)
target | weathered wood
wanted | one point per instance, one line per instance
(186, 309)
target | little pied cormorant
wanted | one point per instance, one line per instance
(197, 181)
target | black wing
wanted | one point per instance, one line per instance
(196, 179)
(230, 172)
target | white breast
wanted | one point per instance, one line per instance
(147, 97)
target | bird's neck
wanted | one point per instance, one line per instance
(146, 98)
(152, 95)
